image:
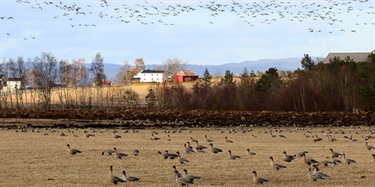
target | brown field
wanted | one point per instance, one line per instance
(34, 159)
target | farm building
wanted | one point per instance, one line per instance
(10, 85)
(184, 76)
(356, 57)
(150, 76)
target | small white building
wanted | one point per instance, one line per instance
(11, 85)
(150, 76)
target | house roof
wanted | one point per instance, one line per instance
(151, 71)
(357, 57)
(186, 73)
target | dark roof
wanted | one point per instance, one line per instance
(356, 57)
(152, 71)
(14, 79)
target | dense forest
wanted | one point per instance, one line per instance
(341, 85)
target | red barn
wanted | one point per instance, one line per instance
(184, 76)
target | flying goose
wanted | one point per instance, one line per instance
(335, 154)
(114, 179)
(119, 155)
(73, 151)
(287, 158)
(275, 165)
(251, 153)
(258, 180)
(129, 178)
(348, 160)
(190, 177)
(215, 150)
(233, 157)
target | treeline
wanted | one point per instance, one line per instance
(341, 85)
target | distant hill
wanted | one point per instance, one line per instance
(259, 65)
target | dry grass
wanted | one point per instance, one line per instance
(31, 159)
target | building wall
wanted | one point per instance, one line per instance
(151, 77)
(12, 86)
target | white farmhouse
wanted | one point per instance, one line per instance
(12, 84)
(150, 76)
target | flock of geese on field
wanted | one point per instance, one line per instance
(185, 179)
(148, 12)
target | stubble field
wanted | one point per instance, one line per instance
(37, 159)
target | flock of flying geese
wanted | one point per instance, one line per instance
(148, 12)
(186, 179)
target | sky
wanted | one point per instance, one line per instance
(197, 32)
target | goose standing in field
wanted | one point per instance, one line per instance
(317, 139)
(300, 154)
(153, 137)
(129, 178)
(114, 179)
(164, 154)
(330, 138)
(116, 136)
(258, 180)
(233, 157)
(335, 154)
(321, 174)
(182, 160)
(193, 140)
(313, 176)
(373, 155)
(287, 158)
(73, 151)
(309, 161)
(171, 155)
(227, 140)
(176, 173)
(168, 138)
(188, 148)
(88, 135)
(208, 140)
(251, 153)
(119, 155)
(74, 135)
(336, 161)
(348, 160)
(326, 163)
(200, 148)
(215, 150)
(275, 165)
(369, 147)
(190, 177)
(135, 152)
(108, 152)
(181, 180)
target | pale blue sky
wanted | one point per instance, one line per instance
(251, 30)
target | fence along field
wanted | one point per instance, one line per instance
(36, 159)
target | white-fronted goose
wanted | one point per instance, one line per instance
(227, 140)
(182, 160)
(190, 177)
(369, 147)
(208, 140)
(108, 152)
(119, 155)
(335, 154)
(251, 153)
(309, 161)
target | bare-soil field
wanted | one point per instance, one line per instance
(33, 152)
